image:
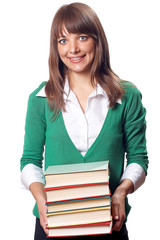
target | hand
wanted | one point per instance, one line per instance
(37, 189)
(42, 208)
(118, 209)
(118, 203)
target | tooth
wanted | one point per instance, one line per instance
(75, 59)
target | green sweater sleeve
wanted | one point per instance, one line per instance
(35, 128)
(134, 129)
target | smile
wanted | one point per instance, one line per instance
(76, 59)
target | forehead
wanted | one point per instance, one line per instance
(65, 33)
(66, 28)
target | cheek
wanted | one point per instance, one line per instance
(61, 51)
(90, 49)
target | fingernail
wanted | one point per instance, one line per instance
(116, 217)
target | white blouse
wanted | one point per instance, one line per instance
(83, 129)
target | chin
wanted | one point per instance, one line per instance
(80, 70)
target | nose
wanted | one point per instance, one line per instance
(74, 47)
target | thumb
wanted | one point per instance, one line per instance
(115, 212)
(45, 220)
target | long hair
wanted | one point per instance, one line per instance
(80, 18)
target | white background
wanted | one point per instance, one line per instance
(132, 29)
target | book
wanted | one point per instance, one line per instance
(78, 173)
(83, 225)
(77, 192)
(81, 230)
(79, 204)
(78, 217)
(78, 199)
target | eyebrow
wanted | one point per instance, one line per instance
(64, 36)
(61, 36)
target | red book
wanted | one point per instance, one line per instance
(84, 225)
(71, 192)
(82, 230)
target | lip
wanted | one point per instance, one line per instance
(76, 59)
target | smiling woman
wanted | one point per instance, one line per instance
(76, 51)
(76, 32)
(84, 113)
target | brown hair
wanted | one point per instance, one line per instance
(80, 18)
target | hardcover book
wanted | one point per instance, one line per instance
(78, 199)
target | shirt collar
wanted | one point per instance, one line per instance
(68, 92)
(69, 95)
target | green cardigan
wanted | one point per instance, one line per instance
(123, 132)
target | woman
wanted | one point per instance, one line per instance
(84, 111)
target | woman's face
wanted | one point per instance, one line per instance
(76, 51)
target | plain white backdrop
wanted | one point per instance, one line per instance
(132, 29)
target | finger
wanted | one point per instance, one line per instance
(116, 218)
(115, 211)
(44, 220)
(115, 214)
(44, 225)
(118, 223)
(46, 231)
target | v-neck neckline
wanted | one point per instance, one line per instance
(96, 140)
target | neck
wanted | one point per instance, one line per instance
(79, 80)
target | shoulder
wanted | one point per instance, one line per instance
(37, 91)
(131, 92)
(35, 101)
(132, 99)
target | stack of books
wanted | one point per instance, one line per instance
(78, 199)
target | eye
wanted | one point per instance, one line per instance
(62, 41)
(83, 38)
